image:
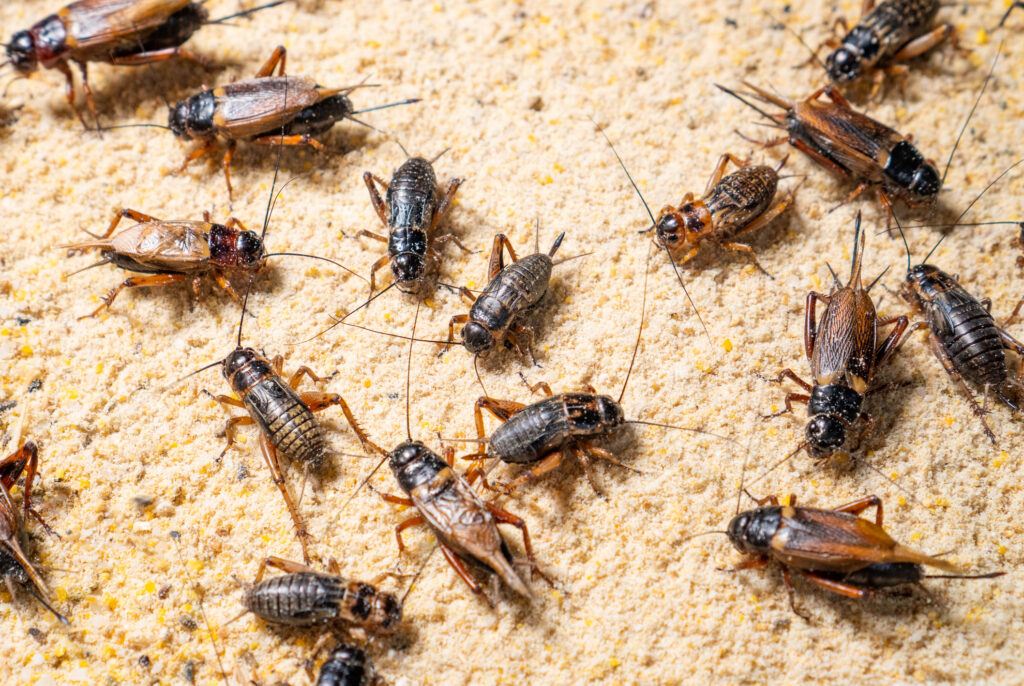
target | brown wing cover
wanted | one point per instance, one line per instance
(836, 541)
(256, 106)
(101, 26)
(846, 339)
(859, 142)
(461, 520)
(179, 246)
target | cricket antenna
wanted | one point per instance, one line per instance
(316, 257)
(781, 462)
(416, 577)
(399, 144)
(199, 599)
(738, 96)
(984, 86)
(341, 320)
(248, 12)
(973, 202)
(408, 101)
(814, 53)
(640, 330)
(408, 373)
(654, 224)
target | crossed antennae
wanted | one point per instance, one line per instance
(738, 96)
(654, 224)
(786, 27)
(966, 210)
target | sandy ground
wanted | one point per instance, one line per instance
(127, 457)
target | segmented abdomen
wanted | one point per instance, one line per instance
(299, 599)
(288, 423)
(517, 287)
(532, 432)
(741, 197)
(972, 342)
(345, 667)
(411, 194)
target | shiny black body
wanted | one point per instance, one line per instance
(962, 325)
(319, 118)
(751, 532)
(285, 419)
(347, 666)
(881, 575)
(47, 41)
(193, 116)
(414, 464)
(832, 408)
(516, 288)
(411, 201)
(312, 598)
(879, 35)
(545, 426)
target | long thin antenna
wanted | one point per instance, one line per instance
(408, 373)
(786, 27)
(135, 126)
(736, 94)
(778, 464)
(190, 374)
(654, 224)
(347, 315)
(984, 86)
(678, 428)
(416, 577)
(640, 330)
(248, 12)
(976, 199)
(408, 101)
(317, 257)
(199, 599)
(395, 335)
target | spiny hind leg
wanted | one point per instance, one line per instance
(151, 281)
(151, 56)
(317, 401)
(122, 213)
(866, 503)
(607, 456)
(787, 581)
(837, 587)
(378, 202)
(460, 568)
(445, 204)
(720, 167)
(923, 44)
(961, 383)
(547, 464)
(768, 215)
(495, 264)
(747, 250)
(286, 566)
(294, 140)
(506, 517)
(271, 457)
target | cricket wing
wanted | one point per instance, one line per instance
(845, 344)
(105, 25)
(461, 520)
(830, 540)
(262, 105)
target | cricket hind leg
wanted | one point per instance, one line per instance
(150, 281)
(273, 463)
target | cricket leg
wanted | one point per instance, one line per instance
(271, 458)
(152, 281)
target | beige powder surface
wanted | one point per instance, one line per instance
(129, 456)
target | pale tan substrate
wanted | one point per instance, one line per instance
(508, 86)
